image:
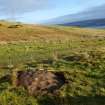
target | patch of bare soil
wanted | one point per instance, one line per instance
(41, 82)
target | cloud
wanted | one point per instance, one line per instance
(96, 12)
(18, 7)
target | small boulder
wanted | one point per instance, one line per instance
(40, 82)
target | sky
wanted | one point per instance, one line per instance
(34, 11)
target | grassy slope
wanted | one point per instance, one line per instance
(29, 45)
(31, 40)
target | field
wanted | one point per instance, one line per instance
(77, 52)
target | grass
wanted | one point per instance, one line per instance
(79, 53)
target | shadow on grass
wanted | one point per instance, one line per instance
(79, 100)
(6, 78)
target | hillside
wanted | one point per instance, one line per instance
(10, 32)
(25, 32)
(51, 65)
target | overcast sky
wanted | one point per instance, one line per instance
(38, 10)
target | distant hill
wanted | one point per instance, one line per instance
(98, 23)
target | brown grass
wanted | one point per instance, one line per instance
(37, 32)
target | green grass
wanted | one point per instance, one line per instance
(79, 53)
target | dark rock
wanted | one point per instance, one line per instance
(72, 58)
(40, 82)
(15, 26)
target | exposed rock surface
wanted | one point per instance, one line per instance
(40, 82)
